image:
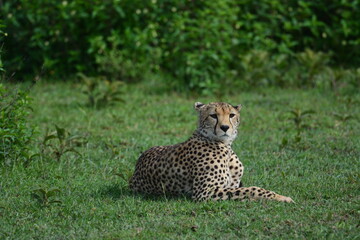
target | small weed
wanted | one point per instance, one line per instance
(348, 101)
(298, 117)
(116, 118)
(16, 134)
(66, 142)
(101, 92)
(124, 171)
(125, 175)
(115, 151)
(46, 196)
(342, 118)
(115, 147)
(336, 76)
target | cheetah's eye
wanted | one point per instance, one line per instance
(213, 116)
(231, 115)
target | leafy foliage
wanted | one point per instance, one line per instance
(299, 118)
(100, 91)
(119, 63)
(259, 68)
(66, 142)
(306, 69)
(342, 118)
(46, 196)
(1, 40)
(198, 49)
(201, 44)
(15, 132)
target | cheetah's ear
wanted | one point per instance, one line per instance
(238, 107)
(198, 106)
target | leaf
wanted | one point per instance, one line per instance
(52, 192)
(40, 194)
(34, 156)
(348, 117)
(55, 201)
(121, 175)
(73, 150)
(284, 142)
(194, 228)
(308, 112)
(295, 112)
(297, 139)
(49, 137)
(41, 191)
(60, 133)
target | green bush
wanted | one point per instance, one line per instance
(201, 44)
(15, 132)
(60, 34)
(259, 68)
(101, 92)
(117, 63)
(306, 69)
(1, 40)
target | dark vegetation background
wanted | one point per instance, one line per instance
(194, 45)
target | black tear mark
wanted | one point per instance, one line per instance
(216, 126)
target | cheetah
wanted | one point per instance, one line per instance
(203, 167)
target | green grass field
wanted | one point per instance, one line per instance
(320, 170)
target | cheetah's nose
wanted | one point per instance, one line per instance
(224, 127)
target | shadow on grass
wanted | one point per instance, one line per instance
(116, 192)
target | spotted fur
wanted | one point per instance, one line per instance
(204, 167)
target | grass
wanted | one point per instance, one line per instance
(88, 196)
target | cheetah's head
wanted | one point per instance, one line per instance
(218, 121)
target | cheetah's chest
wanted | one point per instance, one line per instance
(200, 160)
